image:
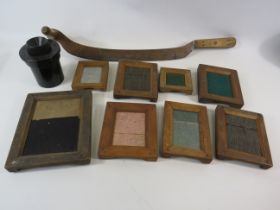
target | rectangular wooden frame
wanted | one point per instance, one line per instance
(108, 150)
(120, 92)
(16, 161)
(187, 88)
(222, 150)
(205, 97)
(168, 149)
(102, 85)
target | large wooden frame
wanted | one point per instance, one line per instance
(17, 161)
(108, 150)
(168, 149)
(222, 149)
(186, 88)
(205, 97)
(121, 92)
(102, 85)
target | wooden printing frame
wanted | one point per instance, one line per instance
(224, 152)
(121, 92)
(108, 150)
(205, 97)
(164, 87)
(16, 161)
(102, 85)
(168, 149)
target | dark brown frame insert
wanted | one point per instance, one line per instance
(121, 92)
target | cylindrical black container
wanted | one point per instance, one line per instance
(42, 55)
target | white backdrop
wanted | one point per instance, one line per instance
(127, 184)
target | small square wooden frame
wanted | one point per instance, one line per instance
(205, 97)
(222, 149)
(102, 85)
(168, 149)
(121, 92)
(16, 161)
(108, 150)
(164, 87)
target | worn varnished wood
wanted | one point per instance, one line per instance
(202, 84)
(121, 92)
(96, 53)
(102, 85)
(169, 149)
(264, 160)
(16, 161)
(215, 43)
(164, 87)
(108, 150)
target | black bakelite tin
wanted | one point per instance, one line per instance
(42, 55)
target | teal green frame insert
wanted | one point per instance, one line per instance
(219, 84)
(175, 79)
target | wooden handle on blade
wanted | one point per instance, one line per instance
(95, 53)
(227, 42)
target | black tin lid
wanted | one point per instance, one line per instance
(38, 49)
